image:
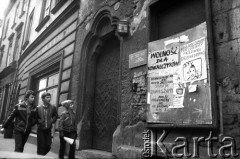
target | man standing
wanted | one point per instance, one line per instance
(24, 114)
(46, 115)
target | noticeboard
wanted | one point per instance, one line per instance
(179, 85)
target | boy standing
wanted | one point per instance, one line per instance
(46, 116)
(67, 128)
(24, 114)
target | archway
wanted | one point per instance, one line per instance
(102, 79)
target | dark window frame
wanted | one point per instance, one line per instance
(29, 30)
(58, 4)
(22, 8)
(6, 29)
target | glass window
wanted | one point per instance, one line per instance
(9, 57)
(39, 99)
(23, 7)
(45, 9)
(53, 80)
(53, 93)
(17, 44)
(6, 28)
(29, 29)
(48, 83)
(42, 83)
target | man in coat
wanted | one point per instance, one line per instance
(46, 116)
(24, 114)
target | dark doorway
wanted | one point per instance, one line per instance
(105, 108)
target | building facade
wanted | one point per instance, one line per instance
(79, 50)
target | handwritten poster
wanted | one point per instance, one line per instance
(161, 94)
(161, 61)
(177, 69)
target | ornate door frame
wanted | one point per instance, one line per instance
(103, 27)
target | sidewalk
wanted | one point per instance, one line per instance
(30, 150)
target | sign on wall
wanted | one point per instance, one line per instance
(138, 59)
(179, 85)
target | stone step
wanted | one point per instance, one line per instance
(91, 153)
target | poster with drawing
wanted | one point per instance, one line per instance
(177, 73)
(193, 62)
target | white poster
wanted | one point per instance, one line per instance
(193, 62)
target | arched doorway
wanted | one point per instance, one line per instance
(105, 107)
(99, 85)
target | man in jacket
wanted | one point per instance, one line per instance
(24, 114)
(46, 116)
(67, 128)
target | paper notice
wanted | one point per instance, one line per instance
(148, 98)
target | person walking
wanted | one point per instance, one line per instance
(67, 128)
(46, 116)
(24, 115)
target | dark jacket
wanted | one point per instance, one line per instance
(24, 117)
(46, 116)
(68, 122)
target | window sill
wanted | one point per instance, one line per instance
(14, 24)
(20, 16)
(58, 6)
(42, 23)
(25, 44)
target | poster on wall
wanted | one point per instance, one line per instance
(178, 78)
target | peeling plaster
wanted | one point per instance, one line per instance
(85, 10)
(137, 19)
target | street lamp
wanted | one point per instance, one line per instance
(123, 27)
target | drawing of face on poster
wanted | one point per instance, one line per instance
(154, 110)
(192, 70)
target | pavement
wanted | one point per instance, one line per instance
(30, 150)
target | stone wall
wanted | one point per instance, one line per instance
(227, 59)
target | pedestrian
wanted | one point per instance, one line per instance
(24, 115)
(46, 116)
(67, 128)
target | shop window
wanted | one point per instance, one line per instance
(171, 17)
(48, 83)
